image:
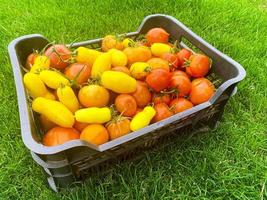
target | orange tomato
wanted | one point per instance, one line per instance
(110, 42)
(79, 72)
(172, 59)
(79, 126)
(161, 98)
(158, 63)
(162, 112)
(180, 72)
(142, 95)
(126, 105)
(93, 96)
(199, 66)
(46, 124)
(118, 128)
(157, 35)
(122, 69)
(180, 104)
(202, 90)
(182, 84)
(59, 135)
(137, 54)
(96, 134)
(183, 55)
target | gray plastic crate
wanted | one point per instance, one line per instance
(74, 160)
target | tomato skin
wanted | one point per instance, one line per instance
(182, 84)
(172, 59)
(157, 35)
(161, 98)
(142, 95)
(110, 42)
(183, 55)
(143, 118)
(126, 105)
(199, 66)
(202, 90)
(180, 73)
(30, 60)
(96, 134)
(46, 124)
(93, 96)
(180, 105)
(122, 69)
(85, 55)
(59, 135)
(137, 54)
(80, 125)
(156, 63)
(60, 59)
(93, 115)
(158, 79)
(78, 71)
(162, 112)
(118, 128)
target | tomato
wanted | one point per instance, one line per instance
(183, 55)
(158, 63)
(119, 127)
(182, 84)
(95, 134)
(158, 49)
(46, 124)
(143, 118)
(180, 104)
(93, 115)
(59, 56)
(202, 90)
(80, 125)
(118, 58)
(78, 72)
(126, 105)
(157, 35)
(161, 98)
(158, 79)
(139, 70)
(110, 42)
(137, 54)
(172, 59)
(162, 112)
(59, 135)
(199, 66)
(30, 60)
(101, 64)
(180, 72)
(93, 96)
(142, 95)
(122, 69)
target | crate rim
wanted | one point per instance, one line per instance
(39, 148)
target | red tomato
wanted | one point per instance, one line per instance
(161, 98)
(158, 79)
(183, 55)
(162, 112)
(142, 95)
(78, 71)
(157, 35)
(199, 66)
(59, 56)
(182, 84)
(180, 72)
(202, 90)
(126, 105)
(30, 60)
(172, 59)
(180, 104)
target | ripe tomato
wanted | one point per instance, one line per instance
(93, 96)
(137, 54)
(172, 59)
(202, 90)
(161, 98)
(199, 66)
(162, 112)
(30, 60)
(142, 95)
(180, 72)
(78, 72)
(59, 135)
(110, 42)
(183, 55)
(59, 56)
(182, 84)
(118, 128)
(180, 104)
(122, 69)
(157, 35)
(126, 105)
(156, 63)
(158, 79)
(79, 125)
(96, 134)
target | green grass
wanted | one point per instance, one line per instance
(227, 163)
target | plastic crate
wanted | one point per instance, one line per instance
(74, 160)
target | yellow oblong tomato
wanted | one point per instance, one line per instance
(68, 98)
(54, 111)
(118, 58)
(85, 55)
(101, 64)
(93, 115)
(158, 49)
(143, 118)
(139, 70)
(118, 82)
(53, 79)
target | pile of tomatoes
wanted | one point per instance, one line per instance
(99, 96)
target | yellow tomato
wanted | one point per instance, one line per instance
(139, 70)
(68, 98)
(101, 64)
(93, 115)
(53, 79)
(143, 118)
(118, 58)
(85, 55)
(158, 49)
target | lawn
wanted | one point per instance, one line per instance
(227, 163)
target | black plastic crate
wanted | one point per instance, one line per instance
(74, 160)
